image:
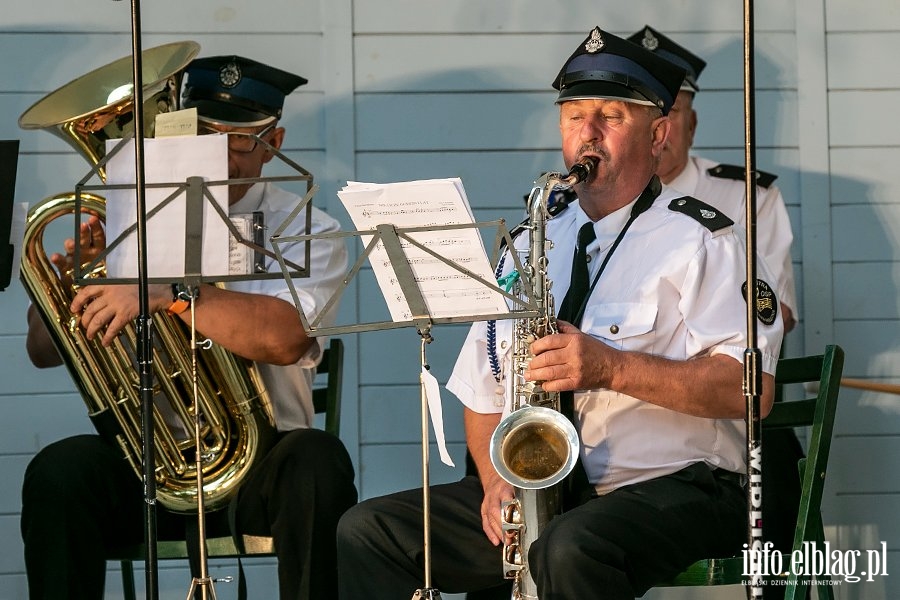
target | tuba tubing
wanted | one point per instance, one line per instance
(233, 403)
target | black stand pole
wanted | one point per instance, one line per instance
(752, 356)
(144, 322)
(427, 592)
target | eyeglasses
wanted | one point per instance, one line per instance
(242, 142)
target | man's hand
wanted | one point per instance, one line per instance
(114, 306)
(92, 241)
(570, 360)
(496, 491)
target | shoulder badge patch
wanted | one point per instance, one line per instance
(736, 172)
(766, 302)
(708, 216)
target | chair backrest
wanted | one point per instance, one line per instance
(327, 398)
(818, 414)
(815, 410)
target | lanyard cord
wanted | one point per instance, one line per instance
(650, 193)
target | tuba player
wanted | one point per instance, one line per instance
(82, 500)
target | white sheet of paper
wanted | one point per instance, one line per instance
(435, 202)
(172, 159)
(176, 122)
(433, 398)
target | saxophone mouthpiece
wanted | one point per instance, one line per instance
(580, 170)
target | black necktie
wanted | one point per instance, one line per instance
(570, 309)
(576, 487)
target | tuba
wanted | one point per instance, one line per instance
(234, 409)
(534, 447)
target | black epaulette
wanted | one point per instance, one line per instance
(736, 172)
(711, 218)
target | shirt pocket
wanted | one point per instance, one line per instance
(621, 324)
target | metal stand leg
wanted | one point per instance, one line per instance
(204, 582)
(427, 592)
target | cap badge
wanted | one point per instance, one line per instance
(596, 43)
(649, 41)
(707, 214)
(230, 75)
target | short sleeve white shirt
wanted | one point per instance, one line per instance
(290, 386)
(671, 289)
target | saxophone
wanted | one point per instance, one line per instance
(535, 447)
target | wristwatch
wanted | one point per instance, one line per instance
(181, 298)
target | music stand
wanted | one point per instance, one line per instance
(393, 239)
(196, 193)
(9, 156)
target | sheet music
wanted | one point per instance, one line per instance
(447, 291)
(167, 160)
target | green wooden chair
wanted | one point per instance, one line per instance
(817, 413)
(327, 401)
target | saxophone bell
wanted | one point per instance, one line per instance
(535, 447)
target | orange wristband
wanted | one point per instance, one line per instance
(178, 306)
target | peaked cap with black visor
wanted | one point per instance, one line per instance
(236, 91)
(609, 67)
(663, 46)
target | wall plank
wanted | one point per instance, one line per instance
(239, 16)
(482, 122)
(865, 15)
(866, 233)
(864, 175)
(399, 16)
(456, 63)
(851, 126)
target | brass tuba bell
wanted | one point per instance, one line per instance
(234, 408)
(99, 105)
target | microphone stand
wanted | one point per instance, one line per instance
(752, 383)
(144, 320)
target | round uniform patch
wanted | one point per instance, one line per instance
(766, 302)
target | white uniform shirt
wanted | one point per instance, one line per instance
(671, 289)
(290, 387)
(773, 226)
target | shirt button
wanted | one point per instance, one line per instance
(503, 344)
(587, 258)
(614, 329)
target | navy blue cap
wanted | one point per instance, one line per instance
(237, 91)
(663, 46)
(606, 66)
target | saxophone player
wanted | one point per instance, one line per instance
(80, 498)
(652, 350)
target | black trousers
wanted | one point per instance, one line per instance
(80, 499)
(612, 547)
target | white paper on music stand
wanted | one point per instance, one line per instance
(447, 291)
(167, 160)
